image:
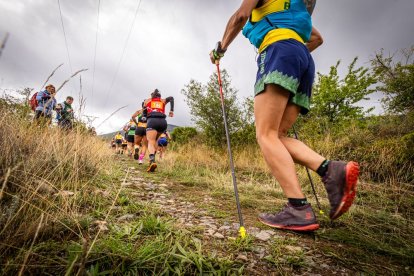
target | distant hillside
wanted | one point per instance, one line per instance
(108, 136)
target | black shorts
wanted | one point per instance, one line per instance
(118, 142)
(158, 124)
(140, 131)
(130, 138)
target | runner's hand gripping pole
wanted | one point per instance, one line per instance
(242, 230)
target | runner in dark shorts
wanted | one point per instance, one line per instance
(140, 140)
(118, 143)
(282, 32)
(157, 123)
(163, 143)
(130, 135)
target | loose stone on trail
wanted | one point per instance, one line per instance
(65, 193)
(242, 257)
(263, 236)
(126, 217)
(293, 249)
(218, 235)
(101, 225)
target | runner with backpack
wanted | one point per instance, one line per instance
(43, 102)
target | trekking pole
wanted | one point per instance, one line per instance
(310, 178)
(242, 230)
(3, 44)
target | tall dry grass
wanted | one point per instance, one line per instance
(47, 177)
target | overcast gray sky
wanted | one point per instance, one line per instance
(169, 45)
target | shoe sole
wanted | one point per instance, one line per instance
(136, 154)
(299, 228)
(152, 167)
(351, 180)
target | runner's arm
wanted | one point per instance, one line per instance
(134, 116)
(126, 127)
(310, 5)
(171, 101)
(315, 40)
(237, 21)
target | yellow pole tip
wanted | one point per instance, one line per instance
(321, 212)
(242, 232)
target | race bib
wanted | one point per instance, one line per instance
(157, 105)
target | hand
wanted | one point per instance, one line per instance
(171, 114)
(217, 53)
(214, 57)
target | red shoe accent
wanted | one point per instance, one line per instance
(304, 228)
(152, 167)
(351, 180)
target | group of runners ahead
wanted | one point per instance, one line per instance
(147, 129)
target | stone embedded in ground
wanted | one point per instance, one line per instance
(65, 193)
(252, 230)
(263, 236)
(218, 235)
(209, 225)
(259, 251)
(101, 225)
(235, 226)
(45, 188)
(324, 266)
(242, 257)
(127, 184)
(293, 249)
(210, 232)
(270, 232)
(126, 217)
(136, 194)
(224, 228)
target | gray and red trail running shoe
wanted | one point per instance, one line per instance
(340, 182)
(152, 166)
(292, 218)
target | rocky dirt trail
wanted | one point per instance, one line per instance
(267, 251)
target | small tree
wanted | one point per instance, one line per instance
(182, 135)
(397, 80)
(335, 98)
(205, 108)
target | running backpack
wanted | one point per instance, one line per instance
(33, 102)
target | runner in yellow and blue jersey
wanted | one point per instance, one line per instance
(283, 33)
